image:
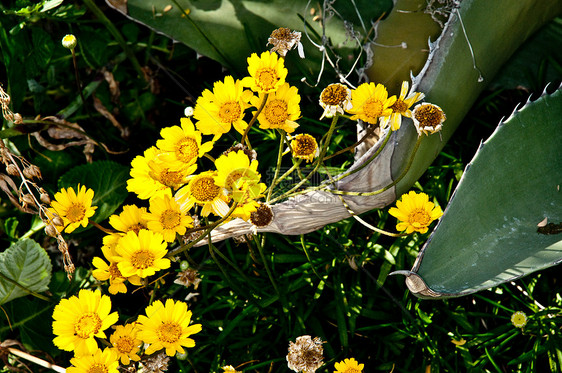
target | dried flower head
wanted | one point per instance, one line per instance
(428, 118)
(304, 146)
(156, 364)
(262, 217)
(283, 40)
(305, 355)
(252, 154)
(335, 98)
(187, 278)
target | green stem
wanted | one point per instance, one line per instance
(369, 132)
(289, 171)
(116, 34)
(269, 274)
(278, 166)
(252, 121)
(77, 77)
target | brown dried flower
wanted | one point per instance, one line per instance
(262, 217)
(156, 363)
(305, 355)
(283, 40)
(187, 278)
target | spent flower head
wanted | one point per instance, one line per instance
(428, 118)
(305, 354)
(335, 98)
(415, 212)
(304, 146)
(283, 40)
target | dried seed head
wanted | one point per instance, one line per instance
(57, 220)
(28, 199)
(32, 171)
(428, 118)
(51, 231)
(44, 197)
(283, 40)
(18, 119)
(12, 170)
(262, 217)
(187, 278)
(305, 355)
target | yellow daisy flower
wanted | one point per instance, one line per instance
(105, 361)
(348, 366)
(370, 102)
(182, 144)
(335, 98)
(150, 176)
(203, 191)
(267, 73)
(78, 319)
(401, 107)
(281, 109)
(111, 272)
(125, 343)
(229, 369)
(168, 217)
(141, 254)
(415, 212)
(132, 218)
(222, 108)
(304, 146)
(74, 208)
(167, 326)
(519, 319)
(428, 118)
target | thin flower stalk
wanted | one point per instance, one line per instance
(252, 121)
(267, 269)
(278, 167)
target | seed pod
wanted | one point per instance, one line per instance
(57, 220)
(28, 199)
(32, 171)
(44, 197)
(51, 231)
(12, 170)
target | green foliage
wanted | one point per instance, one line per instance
(25, 267)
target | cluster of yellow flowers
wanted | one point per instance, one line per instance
(165, 175)
(79, 320)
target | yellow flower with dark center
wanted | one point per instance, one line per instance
(348, 366)
(428, 118)
(78, 319)
(370, 102)
(304, 146)
(150, 176)
(167, 326)
(267, 73)
(402, 107)
(125, 343)
(203, 191)
(415, 212)
(335, 98)
(519, 319)
(168, 217)
(130, 219)
(281, 109)
(219, 110)
(105, 361)
(74, 208)
(141, 255)
(182, 144)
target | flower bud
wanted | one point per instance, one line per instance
(69, 41)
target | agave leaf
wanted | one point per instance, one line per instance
(229, 31)
(489, 232)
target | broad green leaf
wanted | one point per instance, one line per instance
(489, 232)
(229, 31)
(108, 181)
(25, 268)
